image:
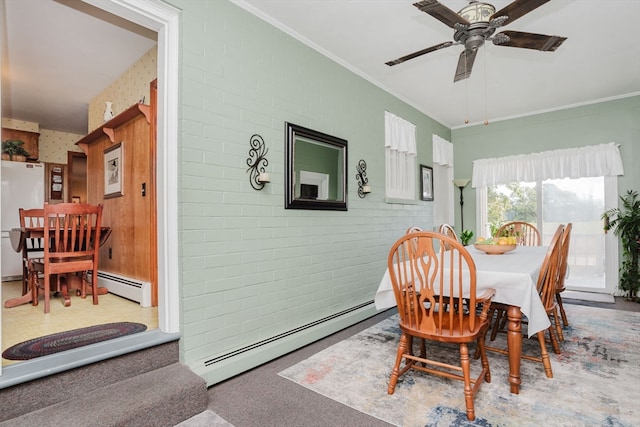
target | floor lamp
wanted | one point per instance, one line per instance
(461, 183)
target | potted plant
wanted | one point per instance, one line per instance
(466, 236)
(14, 150)
(625, 223)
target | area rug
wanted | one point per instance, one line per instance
(595, 379)
(68, 340)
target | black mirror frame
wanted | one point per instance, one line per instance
(290, 202)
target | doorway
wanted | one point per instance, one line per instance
(76, 177)
(163, 19)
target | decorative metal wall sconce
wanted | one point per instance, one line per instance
(361, 176)
(257, 161)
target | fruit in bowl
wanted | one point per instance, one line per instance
(495, 246)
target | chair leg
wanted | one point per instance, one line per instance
(480, 348)
(47, 292)
(500, 323)
(94, 287)
(544, 355)
(465, 364)
(565, 322)
(33, 287)
(557, 325)
(395, 373)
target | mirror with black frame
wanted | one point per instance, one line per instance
(316, 170)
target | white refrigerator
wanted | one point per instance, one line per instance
(22, 187)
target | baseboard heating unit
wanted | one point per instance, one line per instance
(126, 287)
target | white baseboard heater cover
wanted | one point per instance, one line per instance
(133, 289)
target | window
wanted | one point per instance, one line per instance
(557, 187)
(400, 158)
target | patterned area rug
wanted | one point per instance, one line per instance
(595, 379)
(68, 340)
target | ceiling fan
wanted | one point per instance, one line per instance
(476, 23)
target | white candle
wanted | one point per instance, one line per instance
(366, 189)
(263, 177)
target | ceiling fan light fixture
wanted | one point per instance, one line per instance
(477, 11)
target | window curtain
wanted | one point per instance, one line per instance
(400, 157)
(589, 161)
(443, 208)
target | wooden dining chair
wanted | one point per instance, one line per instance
(546, 287)
(71, 236)
(448, 230)
(562, 275)
(31, 247)
(427, 279)
(526, 234)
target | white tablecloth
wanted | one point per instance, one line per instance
(513, 275)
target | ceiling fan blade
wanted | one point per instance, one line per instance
(528, 40)
(465, 64)
(441, 12)
(418, 53)
(517, 9)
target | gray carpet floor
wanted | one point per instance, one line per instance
(260, 397)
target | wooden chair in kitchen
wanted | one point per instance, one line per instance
(72, 236)
(32, 247)
(425, 279)
(526, 234)
(546, 286)
(562, 275)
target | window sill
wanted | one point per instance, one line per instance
(391, 200)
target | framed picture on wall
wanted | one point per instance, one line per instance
(426, 181)
(113, 170)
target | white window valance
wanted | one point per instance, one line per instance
(442, 151)
(400, 134)
(589, 161)
(400, 157)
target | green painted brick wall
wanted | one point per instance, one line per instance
(249, 268)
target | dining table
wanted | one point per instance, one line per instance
(19, 236)
(514, 276)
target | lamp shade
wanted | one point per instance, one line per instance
(461, 183)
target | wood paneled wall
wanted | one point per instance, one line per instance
(131, 248)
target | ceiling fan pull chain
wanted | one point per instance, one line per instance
(466, 96)
(486, 118)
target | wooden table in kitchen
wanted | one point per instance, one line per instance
(19, 236)
(514, 276)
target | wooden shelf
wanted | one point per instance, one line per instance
(108, 127)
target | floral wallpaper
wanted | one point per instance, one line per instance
(53, 145)
(130, 88)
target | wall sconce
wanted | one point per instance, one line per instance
(361, 176)
(461, 183)
(257, 161)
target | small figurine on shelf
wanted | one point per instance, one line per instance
(108, 112)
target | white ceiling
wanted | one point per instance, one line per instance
(60, 54)
(599, 60)
(56, 58)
